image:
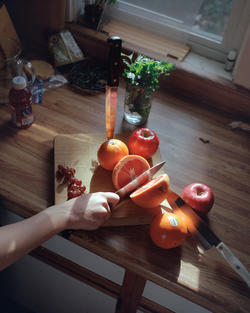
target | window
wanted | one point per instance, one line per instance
(211, 27)
(212, 18)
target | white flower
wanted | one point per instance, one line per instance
(131, 76)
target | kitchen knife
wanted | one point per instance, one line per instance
(112, 83)
(139, 180)
(200, 230)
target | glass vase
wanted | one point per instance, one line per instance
(137, 104)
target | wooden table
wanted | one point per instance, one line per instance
(197, 144)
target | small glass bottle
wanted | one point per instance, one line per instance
(20, 100)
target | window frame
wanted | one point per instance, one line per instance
(233, 36)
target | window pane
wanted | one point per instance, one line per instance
(207, 18)
(182, 11)
(212, 17)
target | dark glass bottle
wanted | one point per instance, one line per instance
(20, 100)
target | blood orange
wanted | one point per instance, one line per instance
(168, 230)
(152, 193)
(127, 169)
(110, 152)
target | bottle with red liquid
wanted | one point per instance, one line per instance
(20, 100)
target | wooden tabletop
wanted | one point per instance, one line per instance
(198, 146)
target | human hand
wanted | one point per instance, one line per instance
(90, 211)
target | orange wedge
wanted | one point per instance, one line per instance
(152, 193)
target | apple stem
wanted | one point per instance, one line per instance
(146, 134)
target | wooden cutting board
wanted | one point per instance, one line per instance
(80, 152)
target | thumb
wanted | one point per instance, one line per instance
(112, 199)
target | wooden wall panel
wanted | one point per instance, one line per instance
(7, 28)
(35, 19)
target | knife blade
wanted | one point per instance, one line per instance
(112, 83)
(207, 238)
(139, 180)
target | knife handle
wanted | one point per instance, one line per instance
(234, 262)
(115, 44)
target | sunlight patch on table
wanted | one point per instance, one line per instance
(189, 275)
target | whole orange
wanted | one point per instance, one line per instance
(110, 152)
(152, 193)
(168, 230)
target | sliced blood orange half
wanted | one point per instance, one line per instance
(127, 169)
(152, 193)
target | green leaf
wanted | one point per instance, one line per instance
(145, 72)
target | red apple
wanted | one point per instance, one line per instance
(143, 142)
(199, 196)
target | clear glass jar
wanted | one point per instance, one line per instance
(11, 65)
(137, 105)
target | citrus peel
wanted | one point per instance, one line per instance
(153, 193)
(127, 169)
(110, 152)
(168, 230)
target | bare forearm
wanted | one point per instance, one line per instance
(20, 238)
(88, 212)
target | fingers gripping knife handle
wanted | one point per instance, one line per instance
(140, 180)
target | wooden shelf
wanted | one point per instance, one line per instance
(137, 39)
